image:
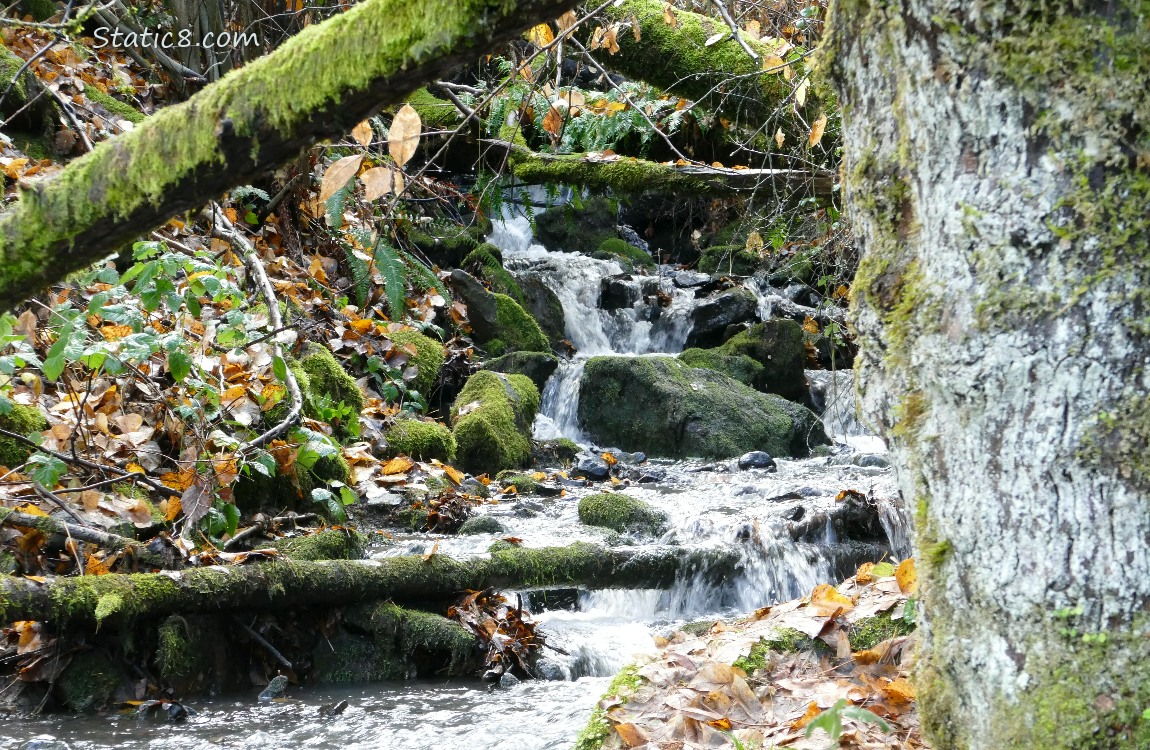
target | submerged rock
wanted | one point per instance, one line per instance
(621, 513)
(663, 407)
(276, 689)
(591, 467)
(757, 460)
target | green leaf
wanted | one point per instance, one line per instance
(279, 367)
(6, 406)
(863, 715)
(391, 268)
(347, 495)
(47, 469)
(264, 463)
(180, 365)
(231, 518)
(54, 367)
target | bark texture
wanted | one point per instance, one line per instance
(998, 169)
(318, 84)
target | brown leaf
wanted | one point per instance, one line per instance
(197, 499)
(669, 17)
(631, 735)
(813, 710)
(403, 138)
(338, 174)
(779, 137)
(567, 20)
(377, 182)
(553, 122)
(362, 133)
(817, 131)
(801, 92)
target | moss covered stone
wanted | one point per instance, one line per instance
(23, 420)
(483, 524)
(622, 513)
(517, 331)
(538, 366)
(579, 228)
(557, 452)
(777, 345)
(486, 262)
(446, 243)
(785, 641)
(328, 378)
(429, 357)
(869, 632)
(544, 305)
(662, 407)
(112, 105)
(89, 681)
(327, 544)
(729, 259)
(613, 247)
(738, 366)
(421, 440)
(492, 419)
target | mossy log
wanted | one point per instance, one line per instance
(317, 85)
(120, 599)
(624, 174)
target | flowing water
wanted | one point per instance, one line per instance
(709, 506)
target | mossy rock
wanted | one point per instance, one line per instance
(578, 229)
(486, 262)
(538, 366)
(23, 420)
(327, 544)
(777, 345)
(786, 641)
(484, 524)
(492, 419)
(871, 631)
(89, 681)
(598, 729)
(186, 651)
(621, 513)
(544, 305)
(557, 452)
(518, 331)
(738, 366)
(429, 357)
(729, 259)
(663, 407)
(255, 492)
(523, 483)
(444, 243)
(328, 378)
(421, 440)
(113, 105)
(617, 248)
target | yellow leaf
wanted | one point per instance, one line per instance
(779, 137)
(233, 393)
(611, 460)
(813, 710)
(431, 554)
(454, 475)
(826, 601)
(752, 28)
(755, 243)
(553, 122)
(377, 182)
(115, 332)
(397, 466)
(906, 576)
(403, 137)
(810, 325)
(773, 63)
(616, 106)
(669, 17)
(631, 735)
(801, 92)
(538, 476)
(842, 292)
(136, 468)
(30, 510)
(899, 691)
(362, 133)
(817, 131)
(864, 574)
(540, 35)
(338, 174)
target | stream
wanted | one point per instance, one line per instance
(710, 505)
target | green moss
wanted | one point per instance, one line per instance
(88, 682)
(434, 113)
(622, 176)
(328, 378)
(871, 631)
(422, 440)
(613, 246)
(483, 524)
(518, 331)
(429, 357)
(486, 263)
(909, 413)
(738, 366)
(523, 484)
(493, 432)
(446, 243)
(598, 728)
(777, 347)
(23, 420)
(786, 641)
(732, 259)
(178, 657)
(328, 544)
(113, 105)
(622, 513)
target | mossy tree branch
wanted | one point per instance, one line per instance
(317, 85)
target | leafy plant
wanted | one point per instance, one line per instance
(831, 720)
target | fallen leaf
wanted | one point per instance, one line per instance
(397, 466)
(828, 602)
(338, 174)
(906, 576)
(403, 137)
(669, 17)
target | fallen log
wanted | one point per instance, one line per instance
(120, 599)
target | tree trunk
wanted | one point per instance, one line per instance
(997, 161)
(120, 599)
(318, 84)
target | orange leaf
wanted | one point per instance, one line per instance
(397, 466)
(813, 710)
(115, 332)
(540, 35)
(817, 131)
(611, 460)
(864, 575)
(631, 734)
(338, 174)
(828, 602)
(669, 17)
(553, 121)
(454, 475)
(899, 692)
(906, 576)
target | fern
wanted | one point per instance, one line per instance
(360, 276)
(391, 268)
(337, 203)
(422, 276)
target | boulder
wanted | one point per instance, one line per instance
(421, 440)
(428, 358)
(738, 366)
(536, 365)
(757, 460)
(591, 467)
(492, 419)
(710, 319)
(625, 253)
(622, 513)
(777, 345)
(544, 305)
(616, 292)
(498, 322)
(665, 408)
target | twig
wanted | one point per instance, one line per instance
(263, 642)
(123, 473)
(223, 228)
(66, 108)
(47, 494)
(726, 14)
(278, 198)
(467, 112)
(101, 483)
(83, 533)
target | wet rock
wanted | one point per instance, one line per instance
(473, 486)
(795, 514)
(777, 345)
(481, 525)
(710, 319)
(660, 406)
(617, 292)
(538, 366)
(690, 279)
(492, 419)
(538, 600)
(581, 229)
(591, 467)
(757, 460)
(44, 743)
(497, 321)
(544, 305)
(530, 506)
(622, 513)
(558, 452)
(738, 366)
(277, 688)
(577, 483)
(549, 669)
(507, 681)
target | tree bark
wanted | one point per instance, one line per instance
(996, 168)
(120, 599)
(318, 84)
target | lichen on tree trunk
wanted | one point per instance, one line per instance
(997, 163)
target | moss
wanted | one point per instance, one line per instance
(429, 357)
(328, 544)
(598, 728)
(113, 105)
(733, 259)
(909, 413)
(255, 491)
(23, 420)
(422, 440)
(613, 246)
(777, 347)
(738, 366)
(446, 243)
(178, 656)
(523, 484)
(89, 681)
(494, 433)
(622, 513)
(485, 262)
(539, 366)
(518, 331)
(786, 641)
(434, 113)
(328, 378)
(484, 524)
(871, 631)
